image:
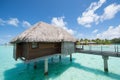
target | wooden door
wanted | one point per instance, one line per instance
(19, 49)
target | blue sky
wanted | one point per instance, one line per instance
(82, 18)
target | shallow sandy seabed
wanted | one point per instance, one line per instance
(83, 67)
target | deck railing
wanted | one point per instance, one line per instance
(112, 48)
(103, 50)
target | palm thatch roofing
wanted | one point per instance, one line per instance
(43, 32)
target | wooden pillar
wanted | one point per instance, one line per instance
(52, 59)
(71, 57)
(28, 65)
(105, 59)
(82, 47)
(60, 58)
(46, 67)
(35, 65)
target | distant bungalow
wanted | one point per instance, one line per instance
(87, 43)
(43, 40)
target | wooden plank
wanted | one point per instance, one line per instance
(44, 49)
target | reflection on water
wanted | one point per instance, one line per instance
(84, 67)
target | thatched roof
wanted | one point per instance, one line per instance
(43, 32)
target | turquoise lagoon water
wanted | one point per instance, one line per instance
(83, 67)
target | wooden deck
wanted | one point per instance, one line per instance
(105, 54)
(102, 53)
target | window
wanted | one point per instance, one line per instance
(34, 45)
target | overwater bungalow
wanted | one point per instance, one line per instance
(43, 40)
(87, 43)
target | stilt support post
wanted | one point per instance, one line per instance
(105, 60)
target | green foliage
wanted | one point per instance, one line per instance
(116, 40)
(78, 42)
(100, 41)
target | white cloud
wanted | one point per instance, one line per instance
(110, 11)
(13, 22)
(2, 21)
(89, 15)
(2, 41)
(26, 24)
(58, 21)
(95, 31)
(112, 32)
(79, 35)
(8, 36)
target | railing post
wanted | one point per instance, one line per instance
(118, 49)
(101, 49)
(82, 47)
(115, 47)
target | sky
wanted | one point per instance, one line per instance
(82, 18)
